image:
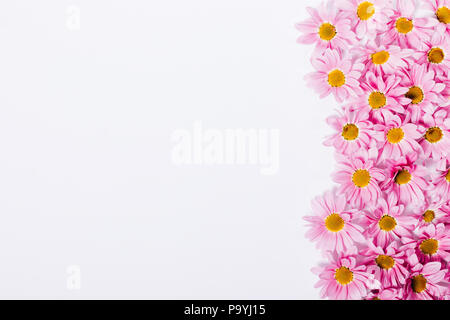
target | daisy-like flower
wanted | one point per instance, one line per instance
(383, 59)
(331, 226)
(387, 222)
(336, 75)
(436, 141)
(435, 54)
(440, 12)
(431, 244)
(380, 97)
(365, 15)
(431, 212)
(353, 131)
(399, 137)
(393, 293)
(421, 92)
(359, 178)
(386, 264)
(434, 243)
(406, 180)
(343, 279)
(425, 281)
(403, 28)
(327, 28)
(441, 182)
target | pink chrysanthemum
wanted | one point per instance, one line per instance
(327, 28)
(331, 226)
(421, 93)
(436, 140)
(435, 54)
(386, 264)
(353, 131)
(406, 180)
(441, 182)
(404, 28)
(399, 137)
(426, 282)
(343, 279)
(433, 243)
(441, 14)
(383, 59)
(431, 212)
(365, 16)
(336, 75)
(393, 293)
(380, 97)
(359, 179)
(387, 222)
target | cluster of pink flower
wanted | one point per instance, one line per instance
(385, 228)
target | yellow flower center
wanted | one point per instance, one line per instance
(395, 135)
(434, 135)
(429, 246)
(377, 100)
(418, 283)
(361, 178)
(350, 131)
(428, 216)
(385, 262)
(447, 176)
(327, 31)
(343, 275)
(404, 25)
(436, 55)
(365, 10)
(403, 177)
(334, 222)
(443, 15)
(415, 94)
(380, 57)
(336, 78)
(387, 223)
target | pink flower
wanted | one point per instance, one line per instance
(399, 137)
(380, 97)
(406, 180)
(387, 222)
(435, 54)
(381, 59)
(403, 28)
(343, 279)
(359, 179)
(331, 226)
(386, 264)
(436, 140)
(441, 183)
(421, 92)
(431, 212)
(353, 131)
(335, 75)
(434, 243)
(441, 13)
(328, 28)
(365, 15)
(394, 293)
(425, 282)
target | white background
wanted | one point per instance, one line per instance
(86, 176)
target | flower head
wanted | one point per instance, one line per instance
(335, 74)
